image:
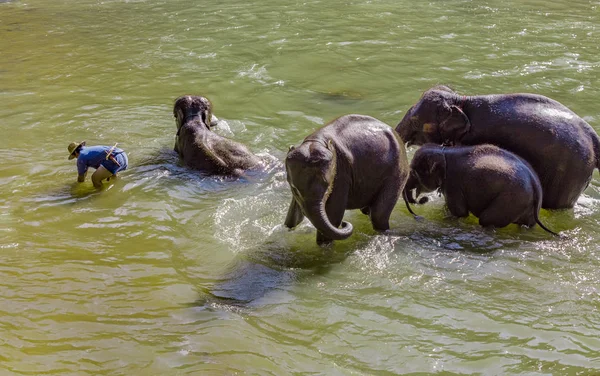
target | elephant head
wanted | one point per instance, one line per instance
(437, 117)
(427, 172)
(311, 171)
(191, 107)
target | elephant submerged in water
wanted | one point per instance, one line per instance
(562, 148)
(495, 185)
(202, 149)
(354, 162)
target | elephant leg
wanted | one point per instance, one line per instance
(334, 208)
(527, 219)
(294, 215)
(365, 210)
(526, 215)
(457, 204)
(500, 212)
(382, 206)
(563, 185)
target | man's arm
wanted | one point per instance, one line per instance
(81, 170)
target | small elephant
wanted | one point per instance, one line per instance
(560, 146)
(354, 162)
(494, 184)
(202, 149)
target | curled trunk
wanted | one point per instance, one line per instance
(407, 200)
(317, 216)
(407, 193)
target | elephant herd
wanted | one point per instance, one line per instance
(500, 157)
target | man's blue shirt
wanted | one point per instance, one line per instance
(93, 156)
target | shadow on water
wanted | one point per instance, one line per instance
(339, 96)
(275, 265)
(289, 257)
(267, 270)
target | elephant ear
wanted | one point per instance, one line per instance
(438, 170)
(178, 122)
(330, 145)
(207, 118)
(455, 125)
(331, 148)
(333, 170)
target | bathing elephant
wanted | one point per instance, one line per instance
(202, 149)
(560, 146)
(354, 162)
(494, 184)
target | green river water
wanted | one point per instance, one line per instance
(168, 272)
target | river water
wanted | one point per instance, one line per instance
(168, 272)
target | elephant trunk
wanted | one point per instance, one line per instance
(407, 193)
(317, 216)
(410, 185)
(408, 199)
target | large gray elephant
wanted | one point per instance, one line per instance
(354, 162)
(562, 148)
(202, 149)
(495, 185)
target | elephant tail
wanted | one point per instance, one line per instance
(408, 199)
(537, 219)
(596, 141)
(595, 145)
(537, 204)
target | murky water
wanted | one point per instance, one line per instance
(172, 272)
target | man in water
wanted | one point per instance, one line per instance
(107, 160)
